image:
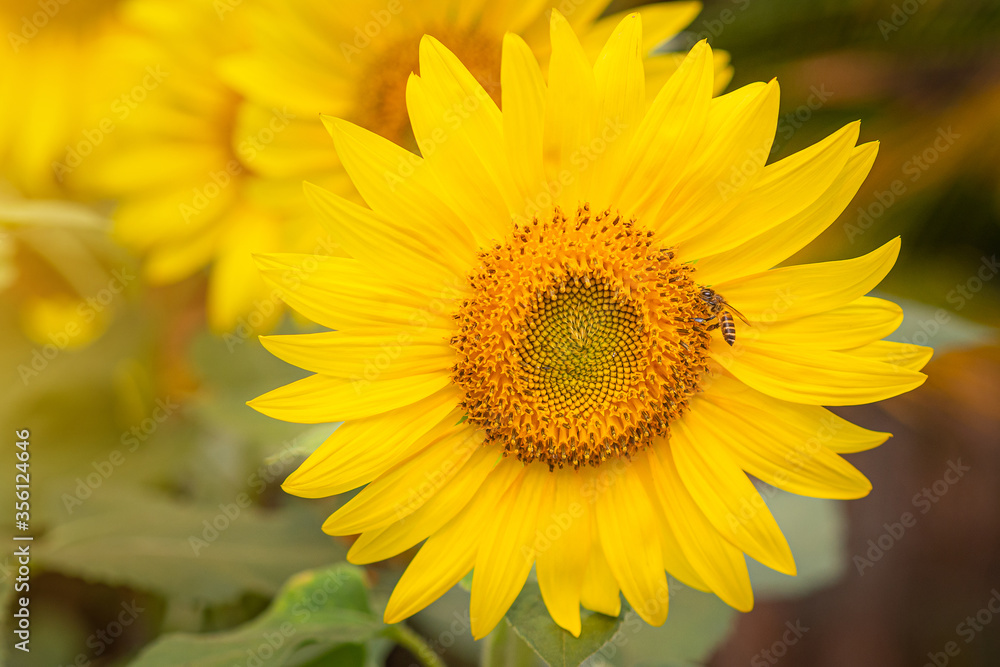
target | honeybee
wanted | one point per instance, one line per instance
(723, 310)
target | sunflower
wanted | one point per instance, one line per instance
(204, 177)
(527, 353)
(353, 62)
(186, 198)
(55, 112)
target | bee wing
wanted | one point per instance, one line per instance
(729, 306)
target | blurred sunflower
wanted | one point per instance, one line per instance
(60, 276)
(353, 61)
(204, 177)
(526, 332)
(53, 49)
(186, 197)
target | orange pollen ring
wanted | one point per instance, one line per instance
(578, 341)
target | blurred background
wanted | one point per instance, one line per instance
(155, 492)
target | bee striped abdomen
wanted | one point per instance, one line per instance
(719, 309)
(728, 327)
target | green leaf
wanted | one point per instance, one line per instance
(189, 553)
(939, 328)
(557, 647)
(318, 612)
(816, 531)
(696, 625)
(233, 370)
(346, 655)
(503, 647)
(237, 367)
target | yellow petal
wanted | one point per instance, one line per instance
(808, 424)
(564, 524)
(782, 241)
(599, 590)
(361, 450)
(391, 246)
(523, 90)
(276, 75)
(661, 66)
(464, 147)
(449, 554)
(396, 183)
(903, 356)
(858, 323)
(514, 16)
(170, 262)
(118, 171)
(569, 114)
(721, 565)
(786, 445)
(783, 190)
(366, 356)
(171, 216)
(621, 104)
(407, 486)
(729, 160)
(797, 291)
(725, 494)
(624, 520)
(338, 292)
(382, 543)
(236, 288)
(41, 316)
(674, 559)
(813, 376)
(320, 399)
(667, 135)
(507, 550)
(298, 144)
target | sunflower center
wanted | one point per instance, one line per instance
(581, 345)
(382, 105)
(579, 341)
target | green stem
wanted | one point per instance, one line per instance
(415, 644)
